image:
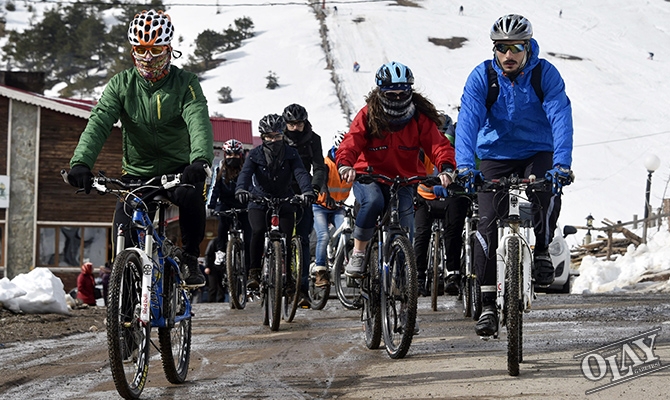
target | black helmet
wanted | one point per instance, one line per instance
(271, 123)
(295, 112)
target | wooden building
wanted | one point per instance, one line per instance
(45, 224)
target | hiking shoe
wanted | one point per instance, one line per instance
(543, 270)
(451, 286)
(488, 322)
(191, 270)
(356, 267)
(220, 257)
(254, 280)
(321, 278)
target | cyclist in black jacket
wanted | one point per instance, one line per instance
(299, 134)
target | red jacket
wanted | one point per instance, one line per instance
(86, 288)
(398, 152)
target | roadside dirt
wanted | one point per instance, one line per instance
(27, 327)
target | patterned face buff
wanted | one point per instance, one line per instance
(153, 68)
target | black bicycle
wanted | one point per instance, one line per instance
(389, 286)
(280, 285)
(235, 277)
(340, 247)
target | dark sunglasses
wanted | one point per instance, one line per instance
(404, 95)
(515, 48)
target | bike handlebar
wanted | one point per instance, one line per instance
(398, 180)
(100, 182)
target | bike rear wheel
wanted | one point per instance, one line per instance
(237, 277)
(175, 340)
(290, 300)
(371, 313)
(350, 297)
(513, 306)
(275, 267)
(127, 337)
(398, 297)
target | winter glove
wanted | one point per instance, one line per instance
(468, 177)
(440, 191)
(80, 176)
(559, 177)
(308, 199)
(316, 191)
(196, 172)
(330, 203)
(242, 196)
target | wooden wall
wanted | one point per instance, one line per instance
(57, 200)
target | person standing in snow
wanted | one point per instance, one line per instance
(166, 129)
(517, 133)
(86, 284)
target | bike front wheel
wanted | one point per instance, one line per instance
(350, 297)
(175, 340)
(127, 337)
(512, 307)
(434, 269)
(290, 300)
(371, 313)
(398, 297)
(237, 279)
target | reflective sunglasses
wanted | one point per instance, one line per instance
(404, 95)
(154, 50)
(515, 48)
(272, 137)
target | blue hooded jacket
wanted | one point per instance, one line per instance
(517, 126)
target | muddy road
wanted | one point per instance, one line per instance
(322, 355)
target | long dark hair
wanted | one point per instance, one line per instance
(229, 174)
(378, 122)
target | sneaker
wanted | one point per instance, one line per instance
(355, 268)
(488, 322)
(321, 278)
(543, 270)
(191, 270)
(451, 286)
(220, 257)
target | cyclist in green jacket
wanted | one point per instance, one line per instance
(165, 126)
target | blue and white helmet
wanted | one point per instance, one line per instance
(394, 74)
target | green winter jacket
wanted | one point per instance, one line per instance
(165, 124)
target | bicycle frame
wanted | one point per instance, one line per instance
(152, 242)
(508, 228)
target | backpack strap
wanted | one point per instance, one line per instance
(536, 81)
(494, 88)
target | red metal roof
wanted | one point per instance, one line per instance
(231, 128)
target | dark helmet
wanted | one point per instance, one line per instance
(394, 73)
(295, 112)
(271, 123)
(512, 27)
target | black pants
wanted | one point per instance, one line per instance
(191, 203)
(222, 232)
(303, 229)
(453, 211)
(545, 208)
(260, 220)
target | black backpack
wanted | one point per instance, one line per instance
(494, 88)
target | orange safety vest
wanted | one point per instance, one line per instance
(338, 189)
(423, 190)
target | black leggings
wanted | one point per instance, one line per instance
(260, 220)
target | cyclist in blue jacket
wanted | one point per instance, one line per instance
(518, 133)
